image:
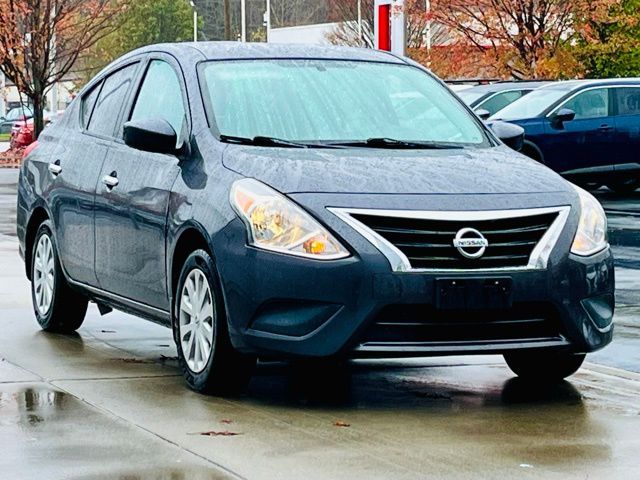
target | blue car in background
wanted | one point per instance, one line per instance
(587, 130)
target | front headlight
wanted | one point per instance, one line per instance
(276, 223)
(591, 236)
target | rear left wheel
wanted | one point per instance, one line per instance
(58, 308)
(209, 361)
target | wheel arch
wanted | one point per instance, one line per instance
(532, 151)
(190, 238)
(38, 215)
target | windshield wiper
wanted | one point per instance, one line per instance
(262, 141)
(381, 142)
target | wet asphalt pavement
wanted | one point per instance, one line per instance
(109, 402)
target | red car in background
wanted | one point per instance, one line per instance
(22, 132)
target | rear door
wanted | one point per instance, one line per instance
(585, 144)
(627, 128)
(76, 167)
(131, 223)
(78, 164)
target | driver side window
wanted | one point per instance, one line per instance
(590, 104)
(161, 97)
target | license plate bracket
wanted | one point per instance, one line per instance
(474, 293)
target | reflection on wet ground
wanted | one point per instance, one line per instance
(87, 413)
(47, 433)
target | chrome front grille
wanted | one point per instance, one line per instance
(416, 241)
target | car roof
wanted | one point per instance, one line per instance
(572, 85)
(239, 50)
(502, 86)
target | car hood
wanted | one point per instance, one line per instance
(469, 171)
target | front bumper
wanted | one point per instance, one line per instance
(286, 306)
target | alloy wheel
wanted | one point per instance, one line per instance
(44, 275)
(196, 321)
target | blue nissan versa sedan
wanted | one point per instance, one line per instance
(587, 130)
(292, 201)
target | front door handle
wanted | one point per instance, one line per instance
(55, 169)
(606, 128)
(111, 180)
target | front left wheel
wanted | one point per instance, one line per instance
(58, 308)
(208, 360)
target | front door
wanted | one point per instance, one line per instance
(628, 129)
(133, 198)
(582, 145)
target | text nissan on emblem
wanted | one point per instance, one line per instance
(470, 243)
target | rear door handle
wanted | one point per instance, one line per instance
(111, 180)
(55, 169)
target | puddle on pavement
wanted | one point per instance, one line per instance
(47, 433)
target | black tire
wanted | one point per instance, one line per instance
(544, 366)
(624, 187)
(67, 308)
(227, 371)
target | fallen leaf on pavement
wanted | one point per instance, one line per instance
(340, 423)
(226, 420)
(213, 433)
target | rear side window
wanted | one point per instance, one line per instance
(88, 102)
(501, 100)
(161, 97)
(112, 96)
(628, 100)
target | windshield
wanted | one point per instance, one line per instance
(325, 101)
(470, 96)
(531, 105)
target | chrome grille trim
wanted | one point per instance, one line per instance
(399, 262)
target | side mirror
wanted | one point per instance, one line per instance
(511, 135)
(154, 135)
(563, 115)
(483, 114)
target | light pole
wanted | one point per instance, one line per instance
(267, 19)
(195, 21)
(429, 33)
(360, 20)
(243, 14)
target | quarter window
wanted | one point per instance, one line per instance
(628, 100)
(501, 100)
(590, 104)
(112, 96)
(161, 97)
(88, 102)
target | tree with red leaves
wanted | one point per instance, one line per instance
(41, 41)
(524, 35)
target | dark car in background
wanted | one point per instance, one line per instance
(489, 99)
(587, 130)
(283, 201)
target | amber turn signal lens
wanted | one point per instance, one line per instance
(315, 246)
